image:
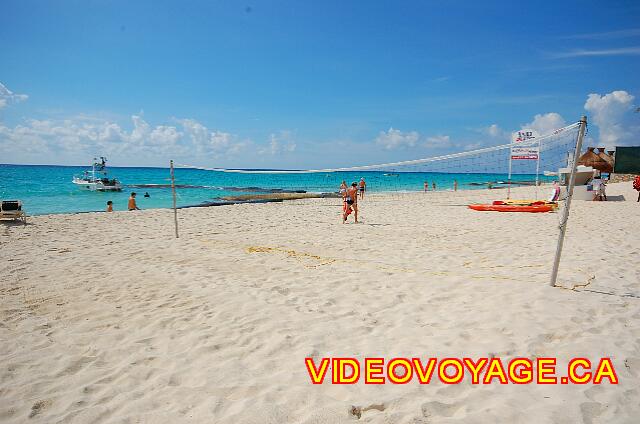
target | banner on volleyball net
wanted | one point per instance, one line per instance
(530, 159)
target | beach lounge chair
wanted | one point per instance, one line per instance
(12, 209)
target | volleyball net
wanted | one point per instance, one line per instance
(529, 160)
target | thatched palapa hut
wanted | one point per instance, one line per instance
(596, 161)
(608, 157)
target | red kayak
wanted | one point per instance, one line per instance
(513, 208)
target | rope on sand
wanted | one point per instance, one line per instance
(301, 256)
(292, 254)
(583, 288)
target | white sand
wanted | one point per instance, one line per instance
(107, 318)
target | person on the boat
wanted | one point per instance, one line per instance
(109, 206)
(132, 206)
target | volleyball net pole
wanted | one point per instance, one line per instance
(173, 192)
(509, 177)
(538, 167)
(567, 204)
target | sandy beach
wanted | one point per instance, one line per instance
(107, 318)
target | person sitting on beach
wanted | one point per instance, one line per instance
(597, 189)
(362, 187)
(109, 206)
(132, 206)
(351, 203)
(602, 190)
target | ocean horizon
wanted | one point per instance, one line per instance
(47, 189)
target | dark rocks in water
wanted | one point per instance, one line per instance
(169, 186)
(262, 190)
(493, 183)
(242, 189)
(262, 198)
(227, 203)
(278, 196)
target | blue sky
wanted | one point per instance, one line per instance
(307, 84)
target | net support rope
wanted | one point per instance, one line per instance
(526, 143)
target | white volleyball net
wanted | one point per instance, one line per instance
(521, 171)
(528, 161)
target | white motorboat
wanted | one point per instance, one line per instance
(97, 179)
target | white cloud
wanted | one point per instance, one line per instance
(437, 141)
(494, 131)
(393, 139)
(396, 139)
(611, 113)
(140, 129)
(165, 136)
(7, 96)
(545, 123)
(279, 143)
(624, 51)
(73, 139)
(623, 33)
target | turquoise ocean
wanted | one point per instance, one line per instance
(46, 189)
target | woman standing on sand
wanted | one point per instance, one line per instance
(343, 189)
(343, 193)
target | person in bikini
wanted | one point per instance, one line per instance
(343, 193)
(351, 203)
(362, 187)
(343, 189)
